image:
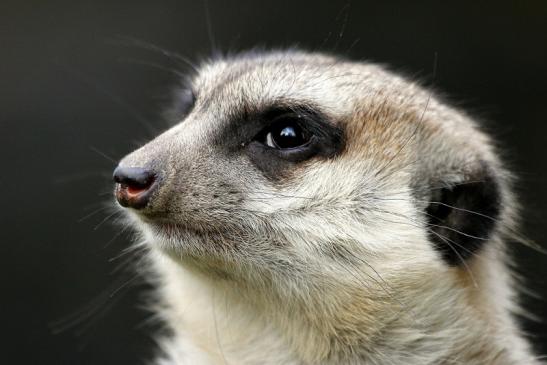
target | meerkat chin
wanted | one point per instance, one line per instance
(307, 209)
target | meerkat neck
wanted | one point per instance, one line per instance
(221, 322)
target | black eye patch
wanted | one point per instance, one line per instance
(279, 138)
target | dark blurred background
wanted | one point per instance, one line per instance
(77, 94)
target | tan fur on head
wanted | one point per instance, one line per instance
(378, 240)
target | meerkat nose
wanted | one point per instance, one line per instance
(134, 186)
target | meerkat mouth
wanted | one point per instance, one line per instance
(163, 227)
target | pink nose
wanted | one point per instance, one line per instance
(134, 186)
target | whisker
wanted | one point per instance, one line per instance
(443, 204)
(111, 97)
(418, 124)
(96, 150)
(101, 313)
(462, 260)
(153, 65)
(106, 219)
(90, 312)
(345, 9)
(448, 241)
(209, 25)
(101, 209)
(124, 285)
(127, 40)
(129, 250)
(69, 178)
(384, 285)
(118, 234)
(457, 231)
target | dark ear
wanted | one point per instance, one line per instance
(463, 217)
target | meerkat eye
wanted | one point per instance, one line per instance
(285, 133)
(289, 137)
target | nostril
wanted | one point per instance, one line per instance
(134, 186)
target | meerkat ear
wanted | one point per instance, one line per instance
(462, 217)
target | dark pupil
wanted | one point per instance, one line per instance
(288, 136)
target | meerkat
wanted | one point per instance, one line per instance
(308, 209)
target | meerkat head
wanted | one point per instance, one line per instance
(322, 181)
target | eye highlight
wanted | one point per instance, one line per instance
(286, 133)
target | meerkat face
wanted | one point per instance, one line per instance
(303, 169)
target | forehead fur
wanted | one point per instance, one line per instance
(258, 80)
(384, 115)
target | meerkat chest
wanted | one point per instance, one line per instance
(211, 328)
